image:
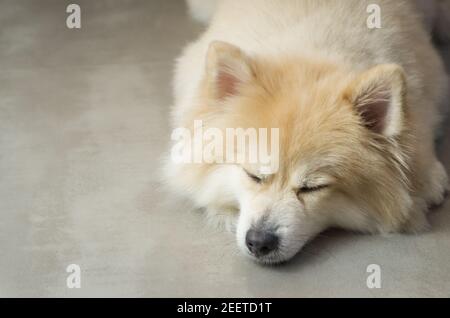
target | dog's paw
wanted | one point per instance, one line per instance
(437, 186)
(417, 221)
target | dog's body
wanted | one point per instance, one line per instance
(357, 110)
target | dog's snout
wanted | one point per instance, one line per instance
(261, 243)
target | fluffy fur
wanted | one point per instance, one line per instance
(357, 109)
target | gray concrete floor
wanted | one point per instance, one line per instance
(83, 125)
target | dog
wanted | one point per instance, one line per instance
(356, 107)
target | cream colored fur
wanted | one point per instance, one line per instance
(309, 67)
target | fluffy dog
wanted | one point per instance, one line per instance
(356, 106)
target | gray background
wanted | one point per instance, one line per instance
(83, 125)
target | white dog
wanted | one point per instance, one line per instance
(356, 107)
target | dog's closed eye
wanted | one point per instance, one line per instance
(310, 189)
(255, 178)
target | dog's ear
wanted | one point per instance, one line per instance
(379, 97)
(227, 68)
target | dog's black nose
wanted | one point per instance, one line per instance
(261, 243)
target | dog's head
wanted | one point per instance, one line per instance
(342, 147)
